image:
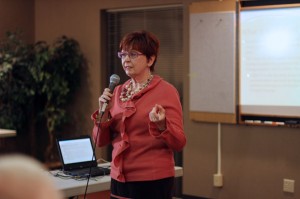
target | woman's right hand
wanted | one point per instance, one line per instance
(105, 98)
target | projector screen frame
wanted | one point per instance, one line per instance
(261, 118)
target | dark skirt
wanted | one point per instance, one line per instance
(156, 189)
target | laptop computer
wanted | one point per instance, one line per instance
(77, 157)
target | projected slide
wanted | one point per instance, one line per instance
(270, 62)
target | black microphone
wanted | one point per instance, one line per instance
(113, 82)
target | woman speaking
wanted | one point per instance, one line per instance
(143, 121)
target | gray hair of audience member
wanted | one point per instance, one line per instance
(24, 177)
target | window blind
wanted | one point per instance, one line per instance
(166, 23)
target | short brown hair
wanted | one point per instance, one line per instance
(142, 41)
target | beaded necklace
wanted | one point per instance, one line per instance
(128, 90)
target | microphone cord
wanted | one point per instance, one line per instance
(94, 157)
(113, 81)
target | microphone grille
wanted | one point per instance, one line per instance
(114, 79)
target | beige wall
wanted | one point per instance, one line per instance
(254, 159)
(17, 14)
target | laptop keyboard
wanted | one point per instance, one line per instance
(95, 171)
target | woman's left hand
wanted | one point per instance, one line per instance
(158, 116)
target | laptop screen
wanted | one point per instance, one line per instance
(76, 152)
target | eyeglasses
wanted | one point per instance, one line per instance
(132, 54)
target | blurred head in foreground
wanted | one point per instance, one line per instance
(23, 177)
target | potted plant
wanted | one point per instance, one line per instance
(36, 83)
(56, 71)
(15, 83)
